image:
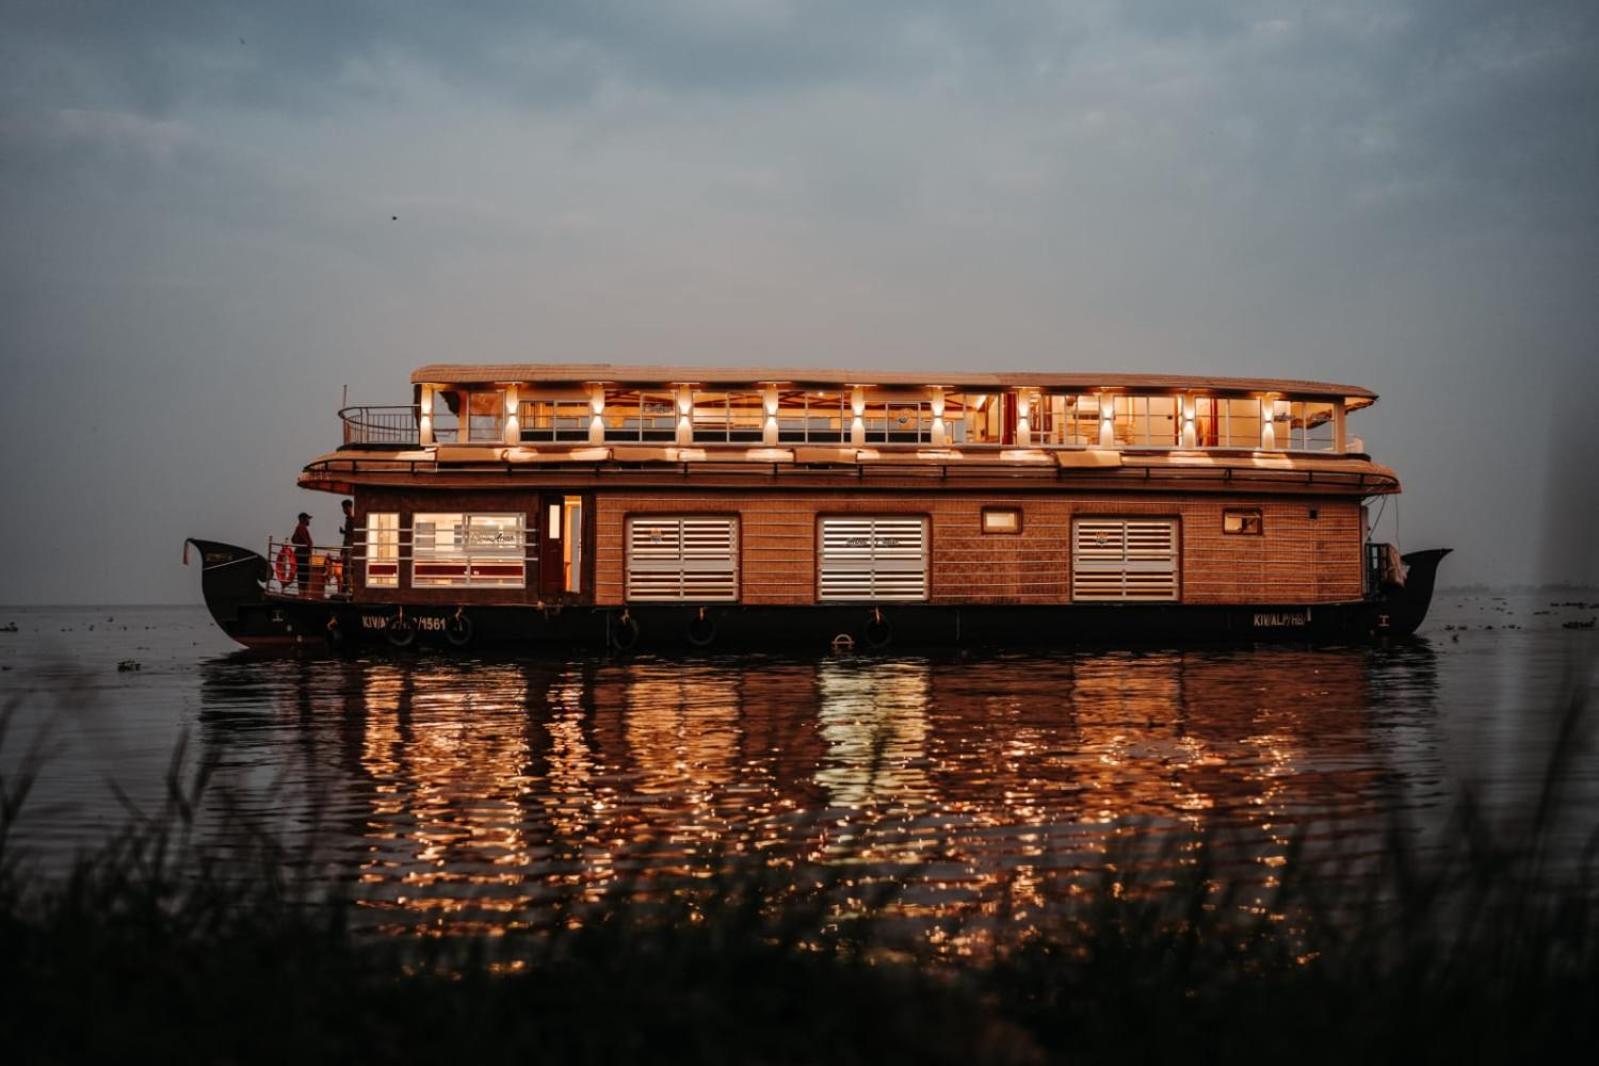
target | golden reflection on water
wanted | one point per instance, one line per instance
(480, 797)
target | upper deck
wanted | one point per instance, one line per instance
(469, 423)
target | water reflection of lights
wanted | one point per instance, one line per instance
(874, 721)
(484, 797)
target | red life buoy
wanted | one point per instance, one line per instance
(286, 564)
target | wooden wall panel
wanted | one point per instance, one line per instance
(1297, 559)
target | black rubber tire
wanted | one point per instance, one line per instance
(625, 634)
(702, 632)
(458, 631)
(878, 634)
(401, 633)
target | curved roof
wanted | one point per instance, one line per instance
(622, 374)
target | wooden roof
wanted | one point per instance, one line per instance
(810, 377)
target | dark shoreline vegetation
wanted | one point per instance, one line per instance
(158, 946)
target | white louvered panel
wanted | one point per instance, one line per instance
(873, 559)
(677, 559)
(1124, 559)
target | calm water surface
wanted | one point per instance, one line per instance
(466, 795)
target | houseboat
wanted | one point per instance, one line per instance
(648, 508)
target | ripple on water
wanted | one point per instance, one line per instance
(471, 795)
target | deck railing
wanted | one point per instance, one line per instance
(381, 425)
(317, 572)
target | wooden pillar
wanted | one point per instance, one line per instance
(513, 416)
(425, 422)
(597, 411)
(769, 400)
(685, 414)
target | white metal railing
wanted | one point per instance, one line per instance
(314, 572)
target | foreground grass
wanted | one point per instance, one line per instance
(158, 948)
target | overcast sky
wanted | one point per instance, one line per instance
(199, 244)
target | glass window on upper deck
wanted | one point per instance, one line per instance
(728, 417)
(974, 417)
(906, 419)
(486, 416)
(1067, 420)
(446, 415)
(633, 415)
(1146, 421)
(817, 417)
(554, 419)
(1303, 425)
(1227, 422)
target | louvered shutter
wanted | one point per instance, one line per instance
(873, 558)
(1124, 559)
(672, 558)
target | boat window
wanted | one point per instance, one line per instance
(817, 417)
(710, 416)
(872, 558)
(898, 421)
(1221, 422)
(728, 416)
(486, 417)
(1245, 523)
(554, 419)
(682, 558)
(1146, 421)
(383, 550)
(468, 550)
(975, 418)
(1069, 420)
(446, 416)
(1002, 520)
(1124, 559)
(1304, 426)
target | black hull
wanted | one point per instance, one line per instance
(233, 586)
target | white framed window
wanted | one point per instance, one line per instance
(1240, 521)
(1303, 425)
(383, 550)
(1124, 559)
(682, 558)
(863, 557)
(450, 550)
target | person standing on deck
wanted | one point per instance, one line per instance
(301, 538)
(347, 530)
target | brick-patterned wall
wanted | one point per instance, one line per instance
(1296, 560)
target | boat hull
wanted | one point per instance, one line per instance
(234, 590)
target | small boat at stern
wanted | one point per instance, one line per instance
(560, 507)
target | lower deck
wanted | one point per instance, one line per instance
(616, 548)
